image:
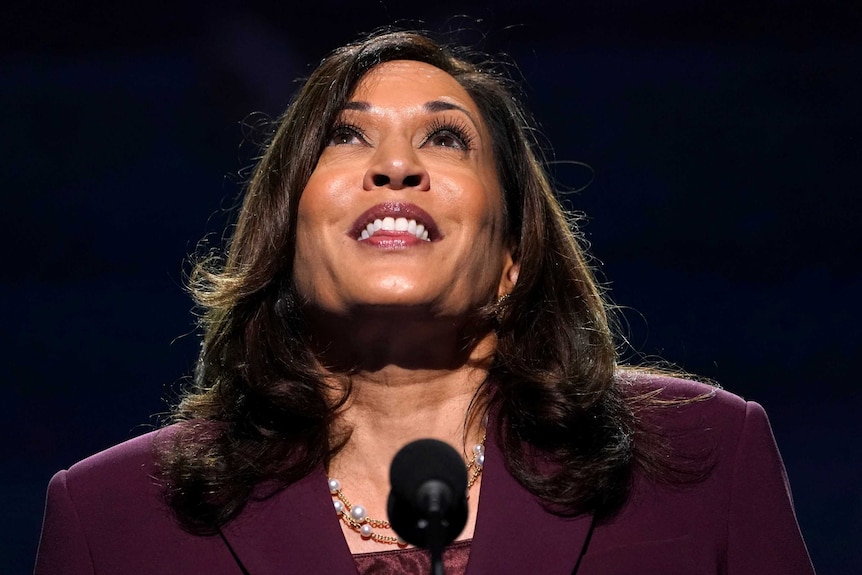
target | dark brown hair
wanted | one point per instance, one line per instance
(258, 415)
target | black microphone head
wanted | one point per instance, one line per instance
(427, 503)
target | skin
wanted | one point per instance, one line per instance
(394, 308)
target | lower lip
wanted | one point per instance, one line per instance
(393, 241)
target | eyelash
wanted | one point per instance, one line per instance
(457, 128)
(344, 129)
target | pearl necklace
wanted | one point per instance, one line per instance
(356, 517)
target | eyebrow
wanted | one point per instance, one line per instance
(431, 107)
(358, 106)
(441, 106)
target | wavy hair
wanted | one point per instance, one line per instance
(258, 414)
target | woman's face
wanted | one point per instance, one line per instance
(404, 207)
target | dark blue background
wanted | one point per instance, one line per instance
(724, 140)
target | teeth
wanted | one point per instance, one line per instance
(390, 224)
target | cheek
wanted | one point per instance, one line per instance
(315, 197)
(303, 271)
(484, 207)
(307, 225)
(484, 243)
(323, 203)
(310, 223)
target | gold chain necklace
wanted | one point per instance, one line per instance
(356, 517)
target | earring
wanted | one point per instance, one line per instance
(500, 306)
(285, 305)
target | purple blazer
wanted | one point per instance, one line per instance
(105, 515)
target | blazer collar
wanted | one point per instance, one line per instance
(296, 530)
(514, 533)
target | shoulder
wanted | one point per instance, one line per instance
(740, 507)
(635, 380)
(116, 489)
(125, 466)
(695, 421)
(108, 513)
(668, 396)
(133, 452)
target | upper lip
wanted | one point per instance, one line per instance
(395, 210)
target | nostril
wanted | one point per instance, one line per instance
(380, 180)
(412, 181)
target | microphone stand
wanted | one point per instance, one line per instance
(427, 503)
(435, 536)
(437, 497)
(437, 561)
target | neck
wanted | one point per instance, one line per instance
(373, 339)
(406, 376)
(389, 408)
(410, 375)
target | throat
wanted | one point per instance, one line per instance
(373, 338)
(366, 528)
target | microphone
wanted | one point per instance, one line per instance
(427, 504)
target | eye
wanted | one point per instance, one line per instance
(449, 133)
(345, 134)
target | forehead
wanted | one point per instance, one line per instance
(408, 82)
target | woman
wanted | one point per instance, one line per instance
(401, 269)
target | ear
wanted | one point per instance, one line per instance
(509, 277)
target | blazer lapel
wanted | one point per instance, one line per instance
(294, 531)
(514, 533)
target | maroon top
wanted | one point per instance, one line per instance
(107, 516)
(413, 561)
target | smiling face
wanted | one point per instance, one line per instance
(404, 207)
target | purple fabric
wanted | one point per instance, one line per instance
(106, 516)
(413, 561)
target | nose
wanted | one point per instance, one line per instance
(395, 165)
